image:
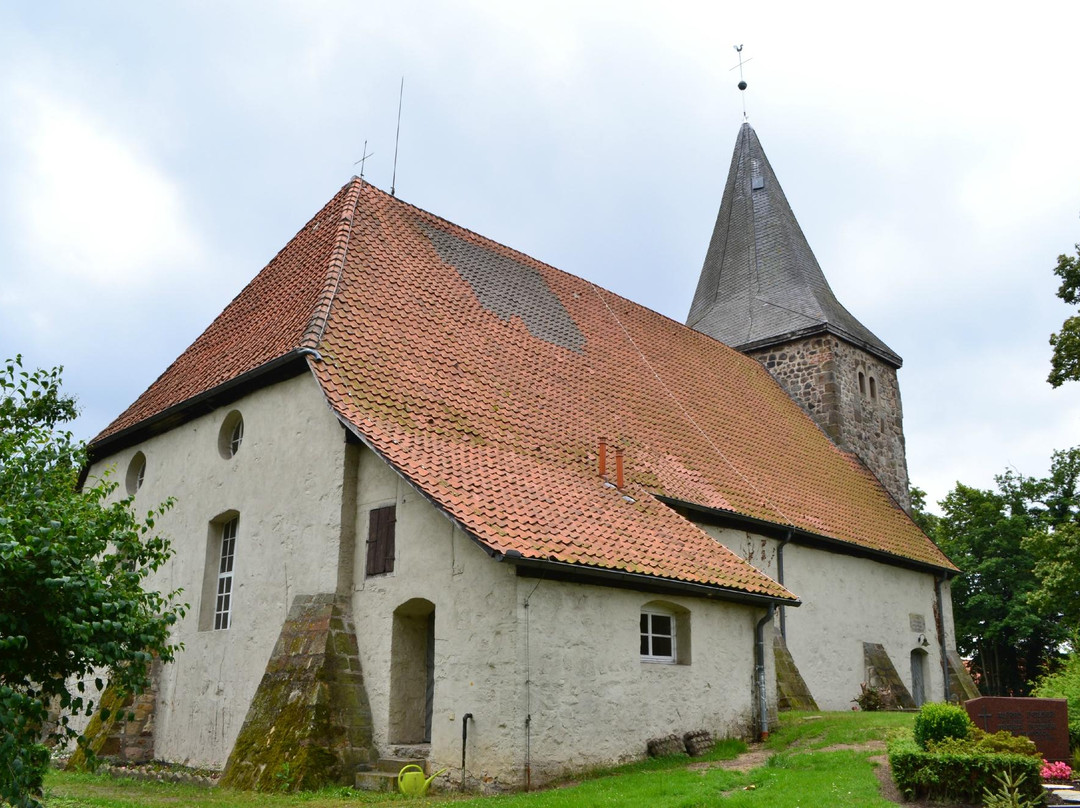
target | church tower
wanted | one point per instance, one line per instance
(762, 292)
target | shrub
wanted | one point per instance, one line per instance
(1056, 772)
(960, 777)
(1064, 684)
(979, 741)
(871, 699)
(936, 722)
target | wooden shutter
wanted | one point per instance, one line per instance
(380, 542)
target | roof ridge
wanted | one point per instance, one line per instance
(335, 265)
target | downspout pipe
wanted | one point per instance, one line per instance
(759, 671)
(941, 636)
(780, 577)
(465, 719)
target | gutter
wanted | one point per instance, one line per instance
(580, 573)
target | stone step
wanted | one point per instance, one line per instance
(376, 781)
(396, 764)
(1068, 796)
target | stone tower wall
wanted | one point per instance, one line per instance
(861, 415)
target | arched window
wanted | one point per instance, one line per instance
(862, 383)
(216, 609)
(873, 387)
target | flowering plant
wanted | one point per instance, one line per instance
(1056, 772)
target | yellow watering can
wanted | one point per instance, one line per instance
(411, 780)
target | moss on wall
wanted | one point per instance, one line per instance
(127, 734)
(309, 724)
(881, 673)
(792, 692)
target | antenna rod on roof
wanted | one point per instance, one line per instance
(397, 137)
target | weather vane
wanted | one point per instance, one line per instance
(742, 81)
(363, 160)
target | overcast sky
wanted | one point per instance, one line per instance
(153, 157)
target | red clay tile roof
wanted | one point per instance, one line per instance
(487, 378)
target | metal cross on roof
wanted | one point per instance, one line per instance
(363, 160)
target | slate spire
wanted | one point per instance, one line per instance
(761, 284)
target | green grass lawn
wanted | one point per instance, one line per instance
(805, 771)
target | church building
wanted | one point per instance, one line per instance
(439, 501)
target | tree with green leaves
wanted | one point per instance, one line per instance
(73, 561)
(1055, 542)
(1065, 361)
(996, 625)
(1017, 601)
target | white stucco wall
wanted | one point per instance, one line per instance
(847, 601)
(571, 659)
(285, 483)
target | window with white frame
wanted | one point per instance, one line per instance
(657, 636)
(231, 434)
(223, 600)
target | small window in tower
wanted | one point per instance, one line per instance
(873, 387)
(862, 383)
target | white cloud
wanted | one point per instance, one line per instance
(90, 204)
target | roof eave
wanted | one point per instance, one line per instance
(283, 367)
(886, 356)
(723, 517)
(600, 576)
(579, 573)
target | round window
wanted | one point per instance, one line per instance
(231, 435)
(136, 472)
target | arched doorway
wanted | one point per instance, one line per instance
(918, 676)
(412, 672)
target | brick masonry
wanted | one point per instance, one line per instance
(127, 735)
(822, 374)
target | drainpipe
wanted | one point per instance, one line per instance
(464, 742)
(780, 578)
(759, 670)
(941, 635)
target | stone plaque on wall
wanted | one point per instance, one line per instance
(918, 622)
(1045, 721)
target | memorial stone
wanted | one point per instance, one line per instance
(1044, 721)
